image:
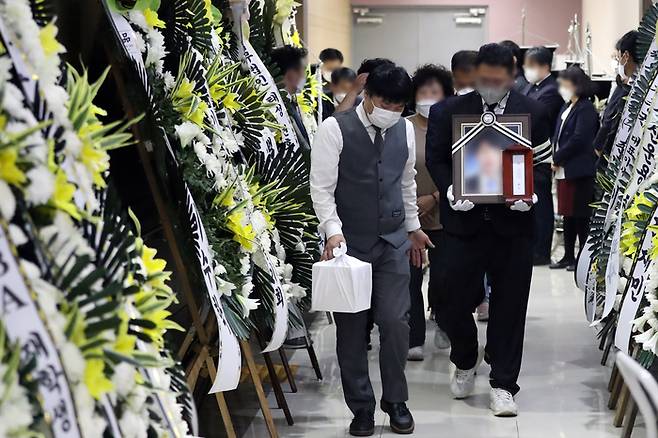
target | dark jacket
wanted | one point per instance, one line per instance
(548, 95)
(574, 143)
(610, 119)
(439, 163)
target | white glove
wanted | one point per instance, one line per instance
(461, 205)
(523, 206)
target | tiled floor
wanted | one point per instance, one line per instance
(563, 386)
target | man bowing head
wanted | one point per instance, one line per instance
(364, 194)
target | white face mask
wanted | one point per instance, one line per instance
(464, 91)
(383, 119)
(532, 75)
(566, 93)
(492, 95)
(621, 71)
(339, 97)
(423, 107)
(326, 75)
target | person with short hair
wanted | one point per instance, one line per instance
(366, 67)
(543, 87)
(462, 65)
(495, 239)
(364, 194)
(342, 82)
(520, 82)
(291, 62)
(626, 64)
(431, 85)
(574, 161)
(332, 60)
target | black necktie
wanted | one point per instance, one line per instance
(379, 139)
(492, 107)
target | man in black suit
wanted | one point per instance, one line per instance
(543, 87)
(496, 239)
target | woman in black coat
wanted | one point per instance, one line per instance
(574, 160)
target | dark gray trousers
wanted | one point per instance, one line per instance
(390, 307)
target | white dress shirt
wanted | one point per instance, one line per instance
(325, 156)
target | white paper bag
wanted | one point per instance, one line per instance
(342, 284)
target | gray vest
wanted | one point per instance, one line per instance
(369, 189)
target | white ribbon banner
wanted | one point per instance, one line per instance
(264, 79)
(23, 323)
(229, 360)
(280, 308)
(635, 289)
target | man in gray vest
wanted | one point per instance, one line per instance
(364, 194)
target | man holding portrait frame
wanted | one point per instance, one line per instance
(488, 233)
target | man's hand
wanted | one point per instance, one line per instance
(360, 82)
(523, 206)
(461, 205)
(419, 241)
(333, 242)
(425, 204)
(555, 167)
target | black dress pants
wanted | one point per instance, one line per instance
(544, 211)
(417, 313)
(507, 261)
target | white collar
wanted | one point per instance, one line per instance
(361, 113)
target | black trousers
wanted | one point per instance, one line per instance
(507, 262)
(544, 211)
(574, 227)
(390, 310)
(417, 312)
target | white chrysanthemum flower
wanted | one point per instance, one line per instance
(74, 362)
(258, 222)
(137, 17)
(156, 50)
(132, 425)
(42, 185)
(7, 201)
(124, 379)
(139, 43)
(225, 287)
(57, 99)
(15, 410)
(187, 131)
(627, 265)
(16, 235)
(72, 142)
(169, 80)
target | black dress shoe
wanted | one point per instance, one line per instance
(541, 261)
(571, 267)
(564, 263)
(363, 424)
(400, 418)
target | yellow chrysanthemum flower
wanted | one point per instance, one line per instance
(95, 380)
(9, 171)
(231, 103)
(242, 234)
(198, 114)
(49, 43)
(152, 19)
(151, 264)
(96, 160)
(185, 89)
(63, 195)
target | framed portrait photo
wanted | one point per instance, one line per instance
(486, 158)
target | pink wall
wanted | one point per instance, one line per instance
(547, 20)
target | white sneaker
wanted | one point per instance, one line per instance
(441, 339)
(503, 404)
(415, 354)
(483, 311)
(462, 382)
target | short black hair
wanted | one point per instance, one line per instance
(463, 60)
(541, 55)
(582, 82)
(331, 55)
(342, 74)
(391, 83)
(428, 73)
(496, 55)
(628, 43)
(516, 52)
(368, 65)
(288, 58)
